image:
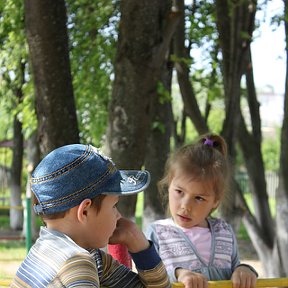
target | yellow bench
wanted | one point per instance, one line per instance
(265, 282)
(5, 283)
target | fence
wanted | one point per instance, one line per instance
(272, 182)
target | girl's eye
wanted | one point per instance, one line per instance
(199, 198)
(178, 191)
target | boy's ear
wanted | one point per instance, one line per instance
(83, 208)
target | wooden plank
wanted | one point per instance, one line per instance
(264, 282)
(5, 283)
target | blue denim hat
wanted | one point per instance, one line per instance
(72, 173)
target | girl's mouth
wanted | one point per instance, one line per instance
(184, 218)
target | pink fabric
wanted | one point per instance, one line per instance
(201, 239)
(120, 253)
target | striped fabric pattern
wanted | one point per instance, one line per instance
(177, 250)
(57, 261)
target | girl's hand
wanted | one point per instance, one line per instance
(191, 279)
(243, 277)
(128, 234)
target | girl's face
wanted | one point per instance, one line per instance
(190, 201)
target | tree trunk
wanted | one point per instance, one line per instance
(48, 44)
(250, 144)
(33, 158)
(234, 19)
(158, 147)
(235, 24)
(16, 215)
(191, 106)
(282, 193)
(261, 227)
(143, 42)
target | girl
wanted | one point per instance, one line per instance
(194, 246)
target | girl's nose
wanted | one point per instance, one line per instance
(186, 205)
(186, 208)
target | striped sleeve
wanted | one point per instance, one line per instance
(19, 283)
(118, 275)
(155, 278)
(78, 271)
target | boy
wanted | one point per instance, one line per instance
(77, 189)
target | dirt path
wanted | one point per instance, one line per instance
(249, 256)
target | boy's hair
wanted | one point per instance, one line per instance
(205, 160)
(96, 202)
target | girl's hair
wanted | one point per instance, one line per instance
(205, 160)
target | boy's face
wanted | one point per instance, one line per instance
(103, 224)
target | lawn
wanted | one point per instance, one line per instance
(11, 255)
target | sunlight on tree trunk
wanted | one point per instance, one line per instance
(143, 43)
(48, 44)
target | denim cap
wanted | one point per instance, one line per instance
(72, 173)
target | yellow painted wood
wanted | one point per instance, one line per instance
(5, 283)
(264, 282)
(11, 207)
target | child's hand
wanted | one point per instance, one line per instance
(243, 277)
(128, 234)
(191, 279)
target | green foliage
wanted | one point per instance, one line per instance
(6, 119)
(93, 34)
(270, 153)
(26, 112)
(202, 35)
(12, 37)
(163, 93)
(187, 61)
(191, 132)
(245, 35)
(202, 28)
(242, 233)
(92, 27)
(207, 88)
(14, 71)
(157, 125)
(216, 117)
(139, 208)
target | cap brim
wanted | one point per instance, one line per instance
(131, 182)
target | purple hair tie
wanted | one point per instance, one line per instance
(208, 142)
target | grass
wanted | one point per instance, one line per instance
(12, 250)
(4, 222)
(12, 254)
